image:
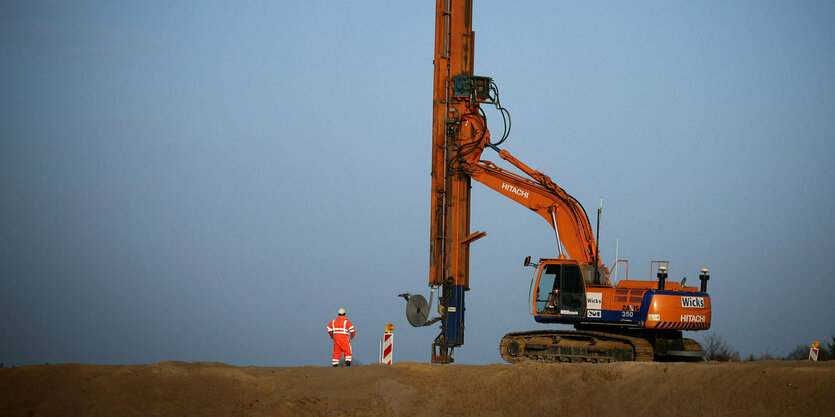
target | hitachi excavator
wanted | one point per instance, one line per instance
(633, 320)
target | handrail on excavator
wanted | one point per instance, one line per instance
(614, 269)
(664, 264)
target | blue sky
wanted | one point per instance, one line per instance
(212, 181)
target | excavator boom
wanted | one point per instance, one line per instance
(564, 213)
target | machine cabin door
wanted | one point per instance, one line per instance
(560, 291)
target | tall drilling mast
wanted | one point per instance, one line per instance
(452, 126)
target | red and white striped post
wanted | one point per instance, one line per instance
(387, 345)
(813, 352)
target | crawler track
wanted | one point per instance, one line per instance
(691, 345)
(574, 346)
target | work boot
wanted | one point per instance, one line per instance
(334, 366)
(348, 363)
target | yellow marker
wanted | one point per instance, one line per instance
(389, 328)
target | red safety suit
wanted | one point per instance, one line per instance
(341, 331)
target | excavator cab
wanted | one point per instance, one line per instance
(560, 290)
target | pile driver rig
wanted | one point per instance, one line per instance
(631, 320)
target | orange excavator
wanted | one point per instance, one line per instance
(633, 320)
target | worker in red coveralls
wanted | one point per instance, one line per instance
(341, 331)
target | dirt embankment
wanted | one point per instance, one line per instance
(770, 388)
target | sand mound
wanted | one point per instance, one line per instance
(769, 388)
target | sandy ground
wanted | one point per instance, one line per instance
(769, 388)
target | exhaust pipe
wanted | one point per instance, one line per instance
(662, 277)
(704, 277)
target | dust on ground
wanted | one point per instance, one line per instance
(765, 388)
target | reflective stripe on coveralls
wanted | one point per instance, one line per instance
(345, 327)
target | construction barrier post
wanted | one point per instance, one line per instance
(813, 352)
(387, 345)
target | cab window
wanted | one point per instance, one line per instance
(549, 282)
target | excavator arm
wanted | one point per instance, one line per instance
(537, 192)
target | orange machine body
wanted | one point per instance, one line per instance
(563, 294)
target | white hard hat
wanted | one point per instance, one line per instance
(341, 311)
